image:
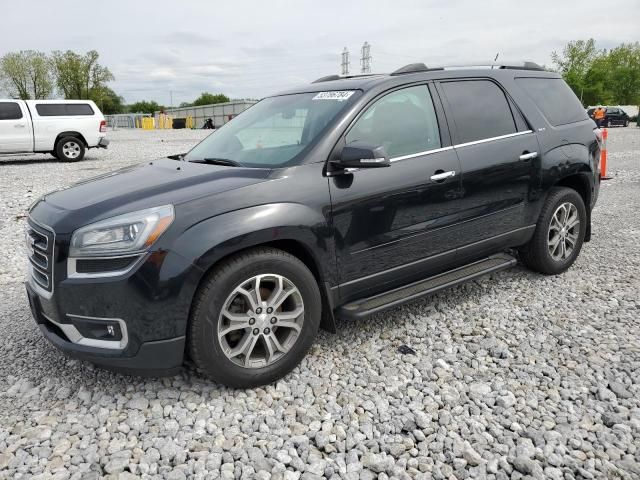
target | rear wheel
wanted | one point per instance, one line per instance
(626, 123)
(559, 234)
(254, 318)
(70, 149)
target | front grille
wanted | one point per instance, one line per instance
(40, 245)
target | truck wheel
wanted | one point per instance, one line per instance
(559, 233)
(70, 149)
(255, 317)
(626, 123)
(54, 154)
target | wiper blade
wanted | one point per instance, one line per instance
(219, 161)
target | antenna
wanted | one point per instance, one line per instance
(365, 60)
(345, 62)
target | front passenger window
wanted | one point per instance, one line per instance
(404, 122)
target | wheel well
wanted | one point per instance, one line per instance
(78, 135)
(299, 251)
(580, 184)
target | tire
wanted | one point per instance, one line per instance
(54, 154)
(537, 254)
(215, 351)
(70, 149)
(626, 123)
(606, 123)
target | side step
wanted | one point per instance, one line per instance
(367, 306)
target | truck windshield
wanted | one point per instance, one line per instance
(273, 133)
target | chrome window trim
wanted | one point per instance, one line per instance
(459, 145)
(73, 273)
(76, 337)
(500, 137)
(420, 154)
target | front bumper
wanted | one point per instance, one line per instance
(151, 358)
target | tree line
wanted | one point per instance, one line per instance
(601, 76)
(34, 75)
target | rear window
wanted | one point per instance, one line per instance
(555, 99)
(480, 110)
(10, 111)
(63, 109)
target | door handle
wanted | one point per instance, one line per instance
(438, 177)
(19, 125)
(528, 156)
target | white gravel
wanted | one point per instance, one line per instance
(514, 376)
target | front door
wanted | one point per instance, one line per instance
(15, 134)
(499, 157)
(394, 224)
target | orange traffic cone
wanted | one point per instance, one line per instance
(603, 156)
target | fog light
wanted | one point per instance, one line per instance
(98, 329)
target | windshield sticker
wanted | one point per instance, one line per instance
(339, 95)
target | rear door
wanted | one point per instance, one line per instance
(15, 130)
(498, 155)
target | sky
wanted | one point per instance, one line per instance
(170, 51)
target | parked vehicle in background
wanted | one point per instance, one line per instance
(613, 116)
(339, 198)
(63, 128)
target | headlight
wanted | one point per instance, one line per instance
(128, 233)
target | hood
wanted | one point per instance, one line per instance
(146, 185)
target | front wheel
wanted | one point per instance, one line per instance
(254, 318)
(559, 233)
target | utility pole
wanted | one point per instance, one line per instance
(345, 62)
(171, 97)
(365, 58)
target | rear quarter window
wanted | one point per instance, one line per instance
(555, 99)
(63, 109)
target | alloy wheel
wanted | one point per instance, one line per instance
(564, 231)
(260, 321)
(71, 150)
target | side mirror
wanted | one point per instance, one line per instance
(361, 155)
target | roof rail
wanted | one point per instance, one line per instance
(327, 78)
(411, 68)
(526, 65)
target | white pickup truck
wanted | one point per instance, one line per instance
(63, 128)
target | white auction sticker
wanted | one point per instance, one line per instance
(339, 95)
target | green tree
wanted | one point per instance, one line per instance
(107, 100)
(574, 62)
(26, 74)
(624, 74)
(145, 107)
(207, 98)
(185, 105)
(77, 75)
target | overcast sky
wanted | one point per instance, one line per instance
(253, 48)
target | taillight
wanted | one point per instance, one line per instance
(103, 126)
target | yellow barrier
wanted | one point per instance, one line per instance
(165, 121)
(190, 122)
(148, 123)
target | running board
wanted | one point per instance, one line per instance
(367, 306)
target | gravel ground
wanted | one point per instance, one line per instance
(513, 376)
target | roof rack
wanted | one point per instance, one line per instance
(525, 65)
(411, 68)
(330, 78)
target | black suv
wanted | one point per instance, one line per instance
(612, 116)
(339, 198)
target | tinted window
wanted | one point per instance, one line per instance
(63, 109)
(10, 111)
(480, 110)
(555, 99)
(404, 122)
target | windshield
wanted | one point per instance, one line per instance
(275, 132)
